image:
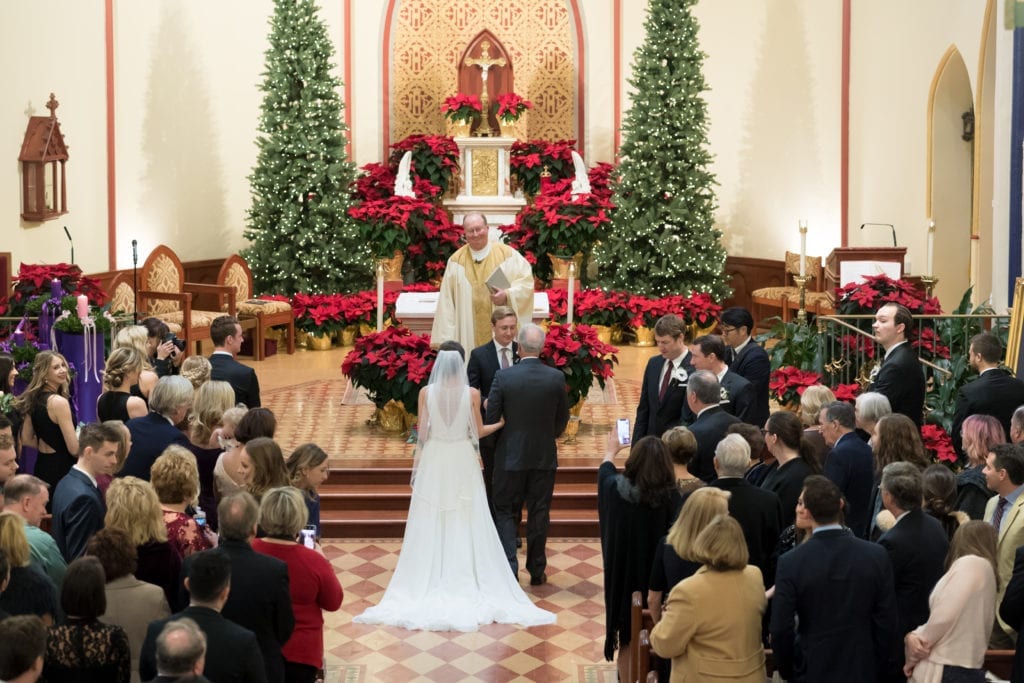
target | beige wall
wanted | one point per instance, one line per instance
(187, 107)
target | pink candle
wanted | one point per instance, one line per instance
(83, 306)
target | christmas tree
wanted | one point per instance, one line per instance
(302, 238)
(663, 239)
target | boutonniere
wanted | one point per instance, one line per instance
(874, 372)
(679, 376)
(724, 395)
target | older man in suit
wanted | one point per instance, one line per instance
(899, 376)
(994, 392)
(260, 599)
(78, 506)
(484, 361)
(662, 402)
(917, 547)
(532, 398)
(169, 403)
(233, 653)
(850, 464)
(747, 358)
(737, 394)
(181, 652)
(226, 334)
(702, 395)
(834, 612)
(1004, 474)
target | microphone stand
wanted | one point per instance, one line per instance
(135, 281)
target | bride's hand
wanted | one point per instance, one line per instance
(500, 423)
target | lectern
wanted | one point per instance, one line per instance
(850, 264)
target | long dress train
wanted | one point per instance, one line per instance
(452, 574)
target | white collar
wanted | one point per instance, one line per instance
(482, 254)
(91, 478)
(721, 374)
(738, 349)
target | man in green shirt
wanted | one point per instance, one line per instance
(26, 496)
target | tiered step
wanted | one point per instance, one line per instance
(373, 502)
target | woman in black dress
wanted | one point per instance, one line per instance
(49, 420)
(784, 437)
(123, 368)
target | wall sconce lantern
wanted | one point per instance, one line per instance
(43, 154)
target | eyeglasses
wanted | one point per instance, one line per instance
(726, 329)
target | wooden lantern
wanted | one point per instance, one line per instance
(43, 181)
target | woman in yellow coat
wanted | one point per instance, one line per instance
(711, 624)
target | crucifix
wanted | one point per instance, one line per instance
(485, 62)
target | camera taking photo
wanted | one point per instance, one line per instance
(173, 338)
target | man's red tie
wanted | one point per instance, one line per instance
(665, 380)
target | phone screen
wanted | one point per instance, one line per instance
(623, 426)
(309, 536)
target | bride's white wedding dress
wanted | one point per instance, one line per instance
(452, 574)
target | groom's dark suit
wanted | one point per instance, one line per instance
(531, 397)
(901, 379)
(483, 364)
(654, 415)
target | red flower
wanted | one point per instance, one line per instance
(788, 383)
(846, 392)
(938, 442)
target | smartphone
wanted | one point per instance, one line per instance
(309, 536)
(623, 426)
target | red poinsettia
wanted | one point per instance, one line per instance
(511, 106)
(528, 160)
(846, 392)
(938, 442)
(461, 107)
(929, 345)
(376, 182)
(788, 383)
(581, 356)
(558, 304)
(867, 296)
(602, 307)
(393, 364)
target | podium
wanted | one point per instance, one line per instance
(484, 165)
(850, 264)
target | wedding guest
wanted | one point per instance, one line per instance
(662, 403)
(29, 590)
(313, 583)
(133, 507)
(131, 604)
(783, 434)
(176, 482)
(227, 338)
(711, 624)
(266, 462)
(83, 649)
(227, 475)
(307, 470)
(181, 652)
(761, 460)
(850, 464)
(10, 420)
(136, 337)
(812, 401)
(48, 419)
(635, 509)
(124, 445)
(869, 408)
(211, 401)
(900, 376)
(737, 395)
(979, 434)
(703, 394)
(951, 644)
(162, 353)
(22, 647)
(897, 439)
(682, 447)
(255, 423)
(169, 403)
(994, 392)
(122, 370)
(26, 496)
(197, 370)
(1004, 474)
(939, 487)
(748, 359)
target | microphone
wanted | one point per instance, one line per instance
(135, 251)
(883, 225)
(66, 232)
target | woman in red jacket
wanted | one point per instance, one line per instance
(313, 584)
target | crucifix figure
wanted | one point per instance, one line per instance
(485, 62)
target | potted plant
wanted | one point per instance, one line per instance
(603, 310)
(645, 312)
(567, 226)
(461, 111)
(529, 160)
(392, 365)
(435, 158)
(938, 443)
(788, 383)
(577, 352)
(509, 108)
(319, 316)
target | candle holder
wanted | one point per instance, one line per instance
(801, 282)
(929, 282)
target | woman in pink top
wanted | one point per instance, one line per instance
(314, 586)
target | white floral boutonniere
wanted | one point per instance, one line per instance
(724, 395)
(874, 372)
(679, 376)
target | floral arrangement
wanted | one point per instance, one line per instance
(646, 311)
(461, 108)
(434, 239)
(788, 383)
(434, 160)
(510, 106)
(528, 160)
(69, 321)
(558, 304)
(377, 181)
(33, 285)
(581, 356)
(322, 314)
(393, 364)
(866, 297)
(567, 225)
(392, 224)
(696, 309)
(938, 443)
(602, 307)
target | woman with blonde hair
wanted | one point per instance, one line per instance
(979, 433)
(122, 370)
(49, 421)
(711, 625)
(29, 590)
(307, 469)
(134, 508)
(812, 401)
(196, 369)
(227, 476)
(952, 644)
(674, 559)
(175, 479)
(312, 581)
(266, 466)
(211, 400)
(136, 337)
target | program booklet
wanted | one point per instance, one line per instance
(498, 280)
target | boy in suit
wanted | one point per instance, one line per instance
(226, 334)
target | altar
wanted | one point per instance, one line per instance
(416, 309)
(485, 182)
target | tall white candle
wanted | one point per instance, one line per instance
(380, 296)
(572, 283)
(931, 248)
(803, 248)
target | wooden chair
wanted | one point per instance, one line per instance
(165, 295)
(780, 297)
(259, 313)
(122, 298)
(644, 659)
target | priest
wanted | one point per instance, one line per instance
(480, 276)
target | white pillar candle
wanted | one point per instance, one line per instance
(803, 248)
(380, 296)
(572, 283)
(931, 248)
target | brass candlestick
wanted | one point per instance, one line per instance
(929, 282)
(801, 282)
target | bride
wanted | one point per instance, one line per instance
(452, 574)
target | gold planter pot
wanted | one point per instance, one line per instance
(393, 418)
(644, 336)
(560, 266)
(393, 267)
(319, 342)
(604, 333)
(573, 426)
(508, 130)
(459, 129)
(697, 331)
(348, 335)
(616, 334)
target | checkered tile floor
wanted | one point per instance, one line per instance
(570, 650)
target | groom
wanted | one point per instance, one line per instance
(531, 397)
